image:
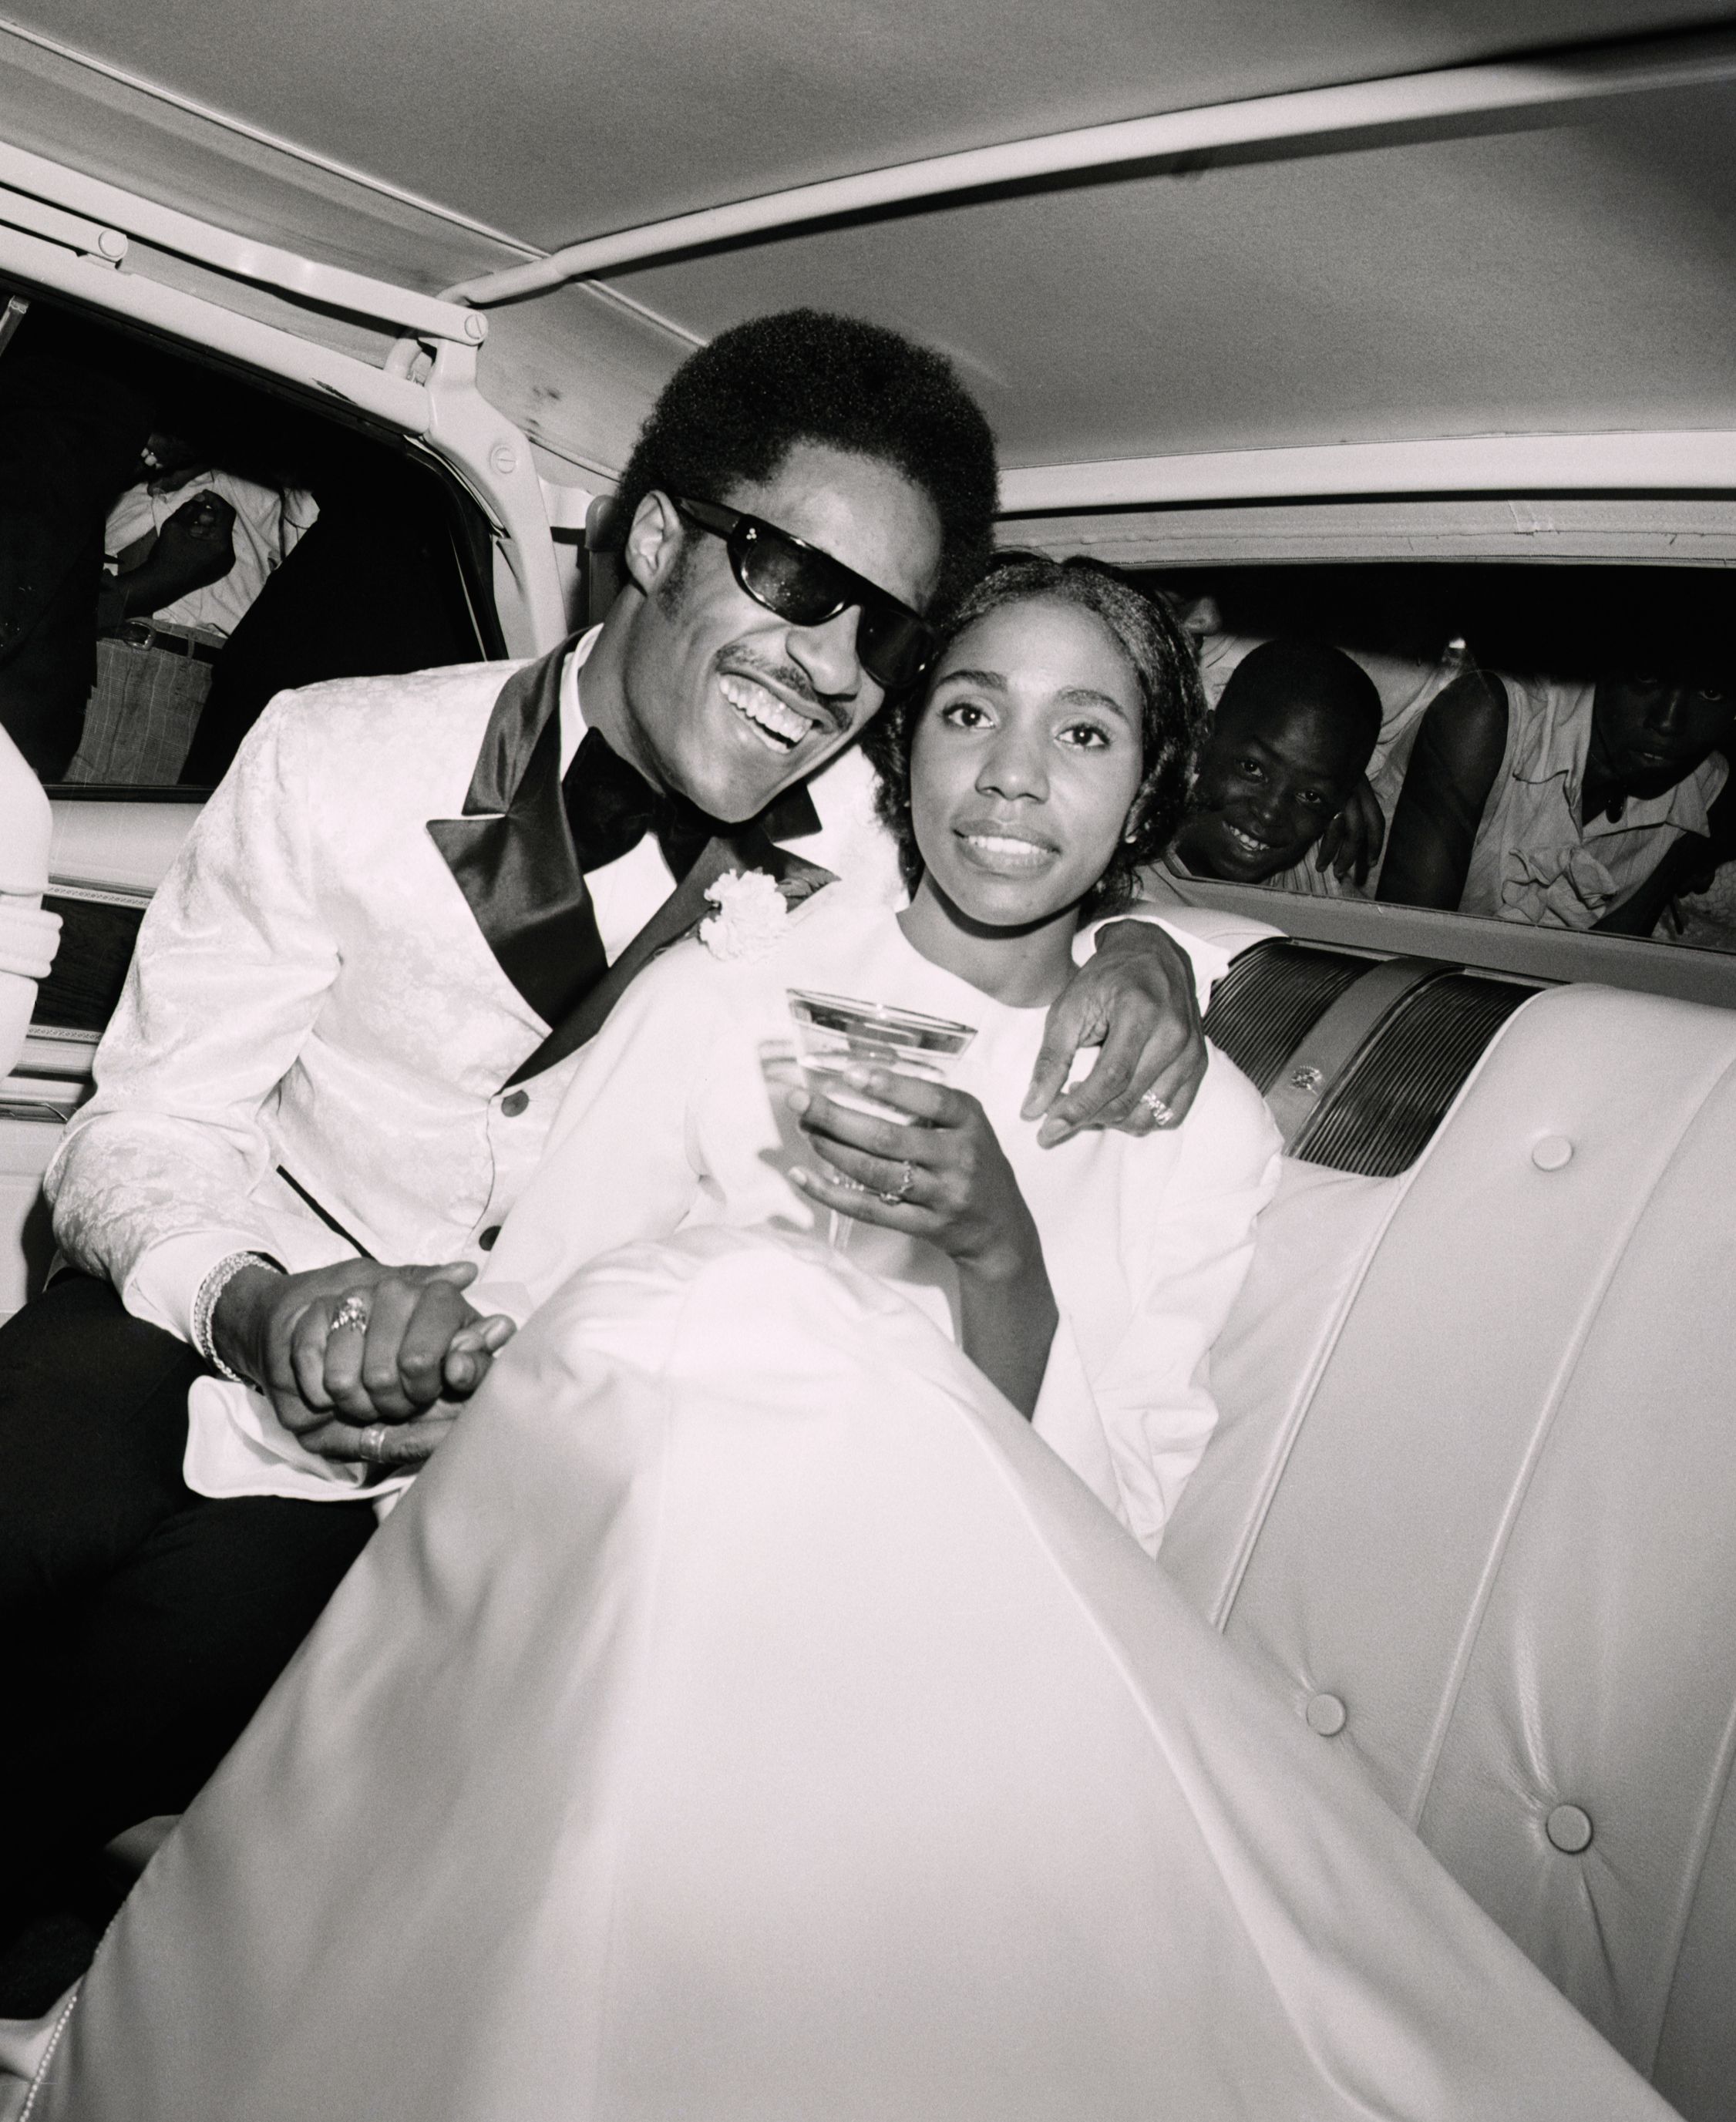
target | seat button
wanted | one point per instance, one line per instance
(1570, 1828)
(514, 1103)
(1327, 1715)
(1551, 1152)
(486, 1238)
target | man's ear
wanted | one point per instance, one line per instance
(653, 539)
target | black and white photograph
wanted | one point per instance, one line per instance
(867, 1061)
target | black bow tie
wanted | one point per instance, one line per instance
(611, 807)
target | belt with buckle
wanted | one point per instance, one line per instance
(141, 633)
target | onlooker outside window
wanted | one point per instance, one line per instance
(194, 548)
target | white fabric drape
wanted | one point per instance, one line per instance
(747, 1716)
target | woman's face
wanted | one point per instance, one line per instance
(1026, 762)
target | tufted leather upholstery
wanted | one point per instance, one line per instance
(1472, 1502)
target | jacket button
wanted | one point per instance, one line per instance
(1327, 1715)
(1570, 1828)
(486, 1238)
(1551, 1152)
(514, 1103)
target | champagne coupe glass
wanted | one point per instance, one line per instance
(835, 1032)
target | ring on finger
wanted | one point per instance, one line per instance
(906, 1181)
(1157, 1108)
(371, 1444)
(352, 1311)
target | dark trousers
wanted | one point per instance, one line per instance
(141, 1625)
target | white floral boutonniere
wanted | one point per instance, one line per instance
(752, 916)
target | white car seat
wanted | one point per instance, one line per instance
(1471, 1501)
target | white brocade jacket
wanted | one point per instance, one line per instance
(311, 995)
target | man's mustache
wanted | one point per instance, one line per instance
(791, 679)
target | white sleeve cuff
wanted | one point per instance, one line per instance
(236, 1447)
(165, 1280)
(29, 937)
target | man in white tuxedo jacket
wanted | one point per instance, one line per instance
(351, 1016)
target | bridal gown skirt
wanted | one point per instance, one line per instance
(747, 1717)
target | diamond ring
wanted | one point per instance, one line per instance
(906, 1181)
(1158, 1110)
(352, 1311)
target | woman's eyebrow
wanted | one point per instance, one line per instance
(1081, 696)
(993, 679)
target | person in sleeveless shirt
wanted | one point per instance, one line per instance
(1583, 803)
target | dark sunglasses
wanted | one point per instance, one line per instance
(894, 644)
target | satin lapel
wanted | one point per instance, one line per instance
(681, 911)
(511, 854)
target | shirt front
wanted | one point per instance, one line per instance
(268, 523)
(1301, 878)
(1534, 859)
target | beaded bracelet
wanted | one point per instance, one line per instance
(205, 1304)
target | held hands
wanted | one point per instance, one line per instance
(361, 1361)
(947, 1179)
(1134, 1000)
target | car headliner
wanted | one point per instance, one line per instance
(1537, 278)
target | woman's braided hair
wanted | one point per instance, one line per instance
(1172, 721)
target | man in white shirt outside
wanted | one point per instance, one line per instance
(193, 547)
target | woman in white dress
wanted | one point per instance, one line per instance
(755, 1711)
(1086, 1280)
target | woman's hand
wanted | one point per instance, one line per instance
(943, 1177)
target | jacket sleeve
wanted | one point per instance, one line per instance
(1210, 941)
(233, 962)
(1134, 1425)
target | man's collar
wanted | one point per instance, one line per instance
(572, 722)
(1686, 804)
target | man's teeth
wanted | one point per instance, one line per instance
(1246, 840)
(765, 710)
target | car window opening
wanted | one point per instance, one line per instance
(177, 546)
(1547, 746)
